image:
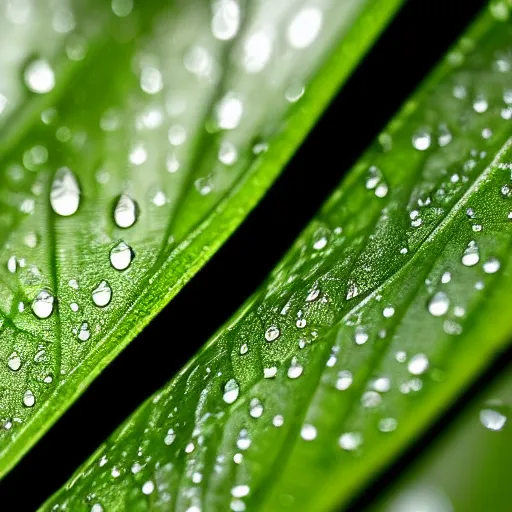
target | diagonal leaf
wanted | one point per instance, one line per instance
(141, 137)
(391, 301)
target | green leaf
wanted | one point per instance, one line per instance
(387, 306)
(138, 142)
(466, 467)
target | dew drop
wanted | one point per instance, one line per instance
(39, 77)
(439, 304)
(231, 391)
(14, 362)
(84, 333)
(42, 306)
(239, 491)
(491, 266)
(492, 420)
(295, 370)
(229, 111)
(277, 420)
(350, 441)
(170, 437)
(272, 333)
(29, 399)
(102, 294)
(125, 211)
(344, 380)
(228, 153)
(308, 432)
(421, 140)
(388, 311)
(305, 27)
(65, 192)
(418, 364)
(360, 336)
(226, 19)
(387, 424)
(471, 255)
(371, 399)
(148, 487)
(255, 408)
(121, 256)
(382, 384)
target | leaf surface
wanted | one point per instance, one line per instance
(134, 138)
(390, 302)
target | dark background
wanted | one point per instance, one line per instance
(400, 59)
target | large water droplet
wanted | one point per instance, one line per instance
(231, 391)
(226, 19)
(65, 192)
(102, 294)
(439, 304)
(14, 362)
(42, 306)
(125, 211)
(121, 256)
(255, 408)
(295, 369)
(272, 333)
(418, 364)
(29, 399)
(491, 266)
(308, 432)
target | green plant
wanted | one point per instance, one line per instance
(366, 332)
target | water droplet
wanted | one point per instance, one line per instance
(344, 380)
(388, 311)
(243, 442)
(14, 362)
(308, 432)
(371, 399)
(305, 27)
(272, 333)
(257, 51)
(418, 364)
(439, 304)
(387, 424)
(301, 323)
(421, 140)
(491, 266)
(492, 419)
(350, 441)
(125, 211)
(97, 508)
(270, 373)
(170, 437)
(148, 487)
(239, 491)
(39, 76)
(471, 255)
(231, 391)
(29, 399)
(313, 295)
(320, 238)
(204, 185)
(480, 104)
(138, 154)
(295, 370)
(360, 336)
(42, 306)
(229, 111)
(446, 277)
(226, 19)
(255, 408)
(12, 264)
(122, 8)
(382, 384)
(121, 256)
(278, 420)
(151, 80)
(84, 333)
(102, 294)
(65, 192)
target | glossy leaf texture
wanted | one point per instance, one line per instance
(393, 299)
(135, 137)
(390, 302)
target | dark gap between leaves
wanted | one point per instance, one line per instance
(413, 43)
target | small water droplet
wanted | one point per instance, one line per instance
(360, 336)
(387, 424)
(84, 333)
(102, 294)
(492, 419)
(305, 27)
(471, 255)
(39, 76)
(418, 364)
(491, 266)
(228, 153)
(170, 437)
(29, 399)
(148, 487)
(229, 111)
(344, 380)
(277, 420)
(388, 311)
(350, 441)
(65, 192)
(255, 408)
(421, 140)
(42, 306)
(308, 432)
(226, 19)
(272, 333)
(121, 256)
(125, 211)
(231, 391)
(14, 362)
(371, 399)
(295, 370)
(439, 304)
(239, 491)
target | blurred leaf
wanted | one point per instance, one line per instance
(467, 467)
(134, 140)
(387, 306)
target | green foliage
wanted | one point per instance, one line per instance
(133, 142)
(392, 300)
